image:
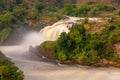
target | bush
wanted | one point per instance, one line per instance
(2, 5)
(7, 18)
(8, 71)
(4, 34)
(46, 49)
(39, 6)
(82, 11)
(61, 56)
(101, 7)
(69, 8)
(32, 15)
(18, 1)
(20, 12)
(52, 9)
(85, 10)
(88, 48)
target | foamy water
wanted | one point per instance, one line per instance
(53, 32)
(35, 69)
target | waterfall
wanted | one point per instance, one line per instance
(53, 32)
(35, 69)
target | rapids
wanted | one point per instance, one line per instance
(36, 69)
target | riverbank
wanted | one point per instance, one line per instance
(34, 68)
(8, 70)
(78, 45)
(46, 56)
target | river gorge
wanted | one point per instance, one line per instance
(35, 68)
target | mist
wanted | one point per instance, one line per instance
(35, 68)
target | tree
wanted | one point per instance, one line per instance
(4, 34)
(8, 71)
(52, 9)
(39, 6)
(68, 8)
(6, 20)
(18, 1)
(20, 12)
(2, 5)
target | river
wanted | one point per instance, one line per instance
(35, 68)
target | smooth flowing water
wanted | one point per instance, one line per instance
(35, 69)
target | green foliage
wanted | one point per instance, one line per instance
(8, 71)
(46, 49)
(86, 48)
(2, 5)
(7, 5)
(32, 15)
(39, 6)
(70, 44)
(82, 11)
(19, 1)
(86, 20)
(59, 3)
(85, 10)
(102, 7)
(69, 8)
(52, 9)
(20, 12)
(6, 22)
(8, 17)
(4, 34)
(61, 56)
(48, 45)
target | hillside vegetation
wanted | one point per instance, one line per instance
(30, 13)
(35, 14)
(83, 47)
(8, 71)
(106, 2)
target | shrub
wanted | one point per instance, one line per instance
(85, 10)
(101, 7)
(69, 8)
(8, 71)
(18, 1)
(32, 15)
(79, 46)
(61, 56)
(52, 9)
(4, 34)
(39, 6)
(20, 12)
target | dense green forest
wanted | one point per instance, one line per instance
(86, 10)
(8, 71)
(35, 14)
(22, 12)
(81, 47)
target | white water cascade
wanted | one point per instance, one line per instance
(52, 32)
(35, 69)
